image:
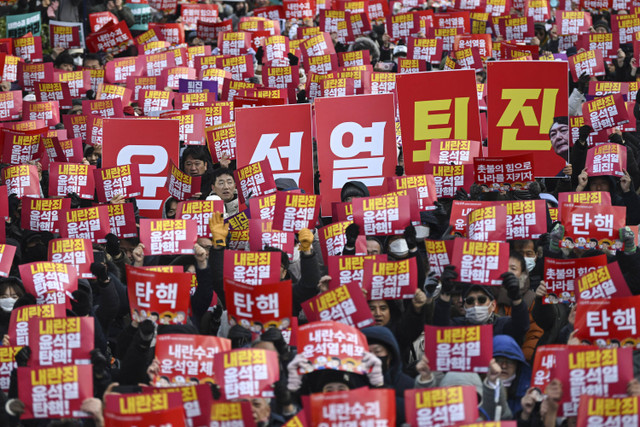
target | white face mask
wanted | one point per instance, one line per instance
(530, 262)
(399, 248)
(422, 232)
(477, 314)
(6, 304)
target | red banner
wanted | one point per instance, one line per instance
(589, 226)
(603, 321)
(76, 252)
(604, 282)
(10, 105)
(61, 340)
(55, 392)
(44, 214)
(621, 411)
(590, 62)
(47, 91)
(7, 364)
(459, 349)
(254, 180)
(246, 373)
(381, 216)
(607, 159)
(294, 212)
(388, 280)
(111, 38)
(345, 304)
(117, 181)
(454, 152)
(258, 307)
(196, 400)
(605, 112)
(187, 358)
(262, 234)
(20, 316)
(487, 223)
(168, 236)
(480, 263)
(561, 275)
(332, 345)
(161, 297)
(50, 282)
(87, 223)
(122, 220)
(362, 406)
(65, 35)
(252, 268)
(200, 211)
(48, 111)
(120, 69)
(441, 406)
(22, 146)
(66, 178)
(348, 268)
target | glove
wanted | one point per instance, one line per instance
(449, 274)
(100, 271)
(76, 202)
(628, 239)
(512, 285)
(410, 237)
(431, 284)
(299, 363)
(22, 357)
(99, 363)
(219, 229)
(461, 194)
(616, 139)
(475, 192)
(555, 237)
(373, 367)
(352, 232)
(113, 245)
(399, 170)
(305, 236)
(584, 132)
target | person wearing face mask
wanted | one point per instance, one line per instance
(480, 306)
(535, 266)
(11, 289)
(34, 246)
(515, 372)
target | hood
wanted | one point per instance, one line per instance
(354, 189)
(286, 184)
(463, 378)
(384, 336)
(506, 346)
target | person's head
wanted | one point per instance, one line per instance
(64, 62)
(224, 186)
(5, 86)
(528, 250)
(540, 31)
(397, 247)
(91, 155)
(559, 136)
(601, 27)
(373, 246)
(92, 62)
(260, 409)
(380, 312)
(335, 386)
(10, 290)
(352, 190)
(195, 160)
(381, 352)
(479, 305)
(170, 208)
(599, 183)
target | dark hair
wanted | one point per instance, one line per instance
(12, 282)
(284, 258)
(196, 152)
(217, 173)
(517, 245)
(92, 56)
(560, 120)
(516, 255)
(64, 58)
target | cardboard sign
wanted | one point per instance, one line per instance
(487, 223)
(20, 317)
(361, 144)
(607, 411)
(111, 38)
(151, 144)
(605, 112)
(252, 268)
(390, 280)
(262, 133)
(55, 392)
(254, 180)
(76, 252)
(589, 226)
(607, 159)
(61, 340)
(480, 263)
(122, 221)
(175, 417)
(229, 412)
(7, 364)
(441, 406)
(263, 234)
(22, 180)
(43, 214)
(168, 236)
(604, 282)
(10, 105)
(66, 35)
(345, 304)
(504, 173)
(294, 212)
(459, 349)
(182, 186)
(590, 62)
(67, 178)
(381, 216)
(120, 69)
(361, 406)
(50, 282)
(87, 223)
(117, 181)
(332, 345)
(200, 211)
(161, 297)
(561, 275)
(184, 358)
(246, 373)
(258, 307)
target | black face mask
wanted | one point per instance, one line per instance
(385, 363)
(35, 253)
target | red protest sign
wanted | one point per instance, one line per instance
(10, 105)
(20, 316)
(359, 134)
(224, 412)
(66, 35)
(361, 406)
(182, 186)
(605, 112)
(174, 417)
(441, 406)
(161, 297)
(461, 349)
(22, 180)
(246, 373)
(449, 178)
(168, 236)
(381, 215)
(30, 74)
(590, 62)
(122, 220)
(87, 223)
(504, 173)
(561, 275)
(120, 69)
(258, 307)
(262, 234)
(200, 211)
(135, 84)
(196, 400)
(348, 268)
(55, 392)
(332, 345)
(252, 268)
(294, 212)
(61, 340)
(192, 124)
(21, 146)
(487, 223)
(254, 180)
(111, 38)
(50, 282)
(117, 181)
(425, 49)
(100, 19)
(79, 82)
(604, 282)
(282, 135)
(49, 111)
(525, 219)
(7, 364)
(585, 197)
(480, 263)
(424, 185)
(607, 159)
(591, 225)
(105, 108)
(454, 152)
(76, 252)
(438, 254)
(607, 411)
(151, 144)
(345, 304)
(601, 321)
(141, 403)
(66, 178)
(390, 280)
(43, 214)
(7, 252)
(332, 238)
(108, 91)
(47, 91)
(184, 357)
(192, 13)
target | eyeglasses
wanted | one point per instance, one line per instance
(472, 300)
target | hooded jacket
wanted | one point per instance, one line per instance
(505, 346)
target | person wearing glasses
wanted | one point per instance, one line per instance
(480, 306)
